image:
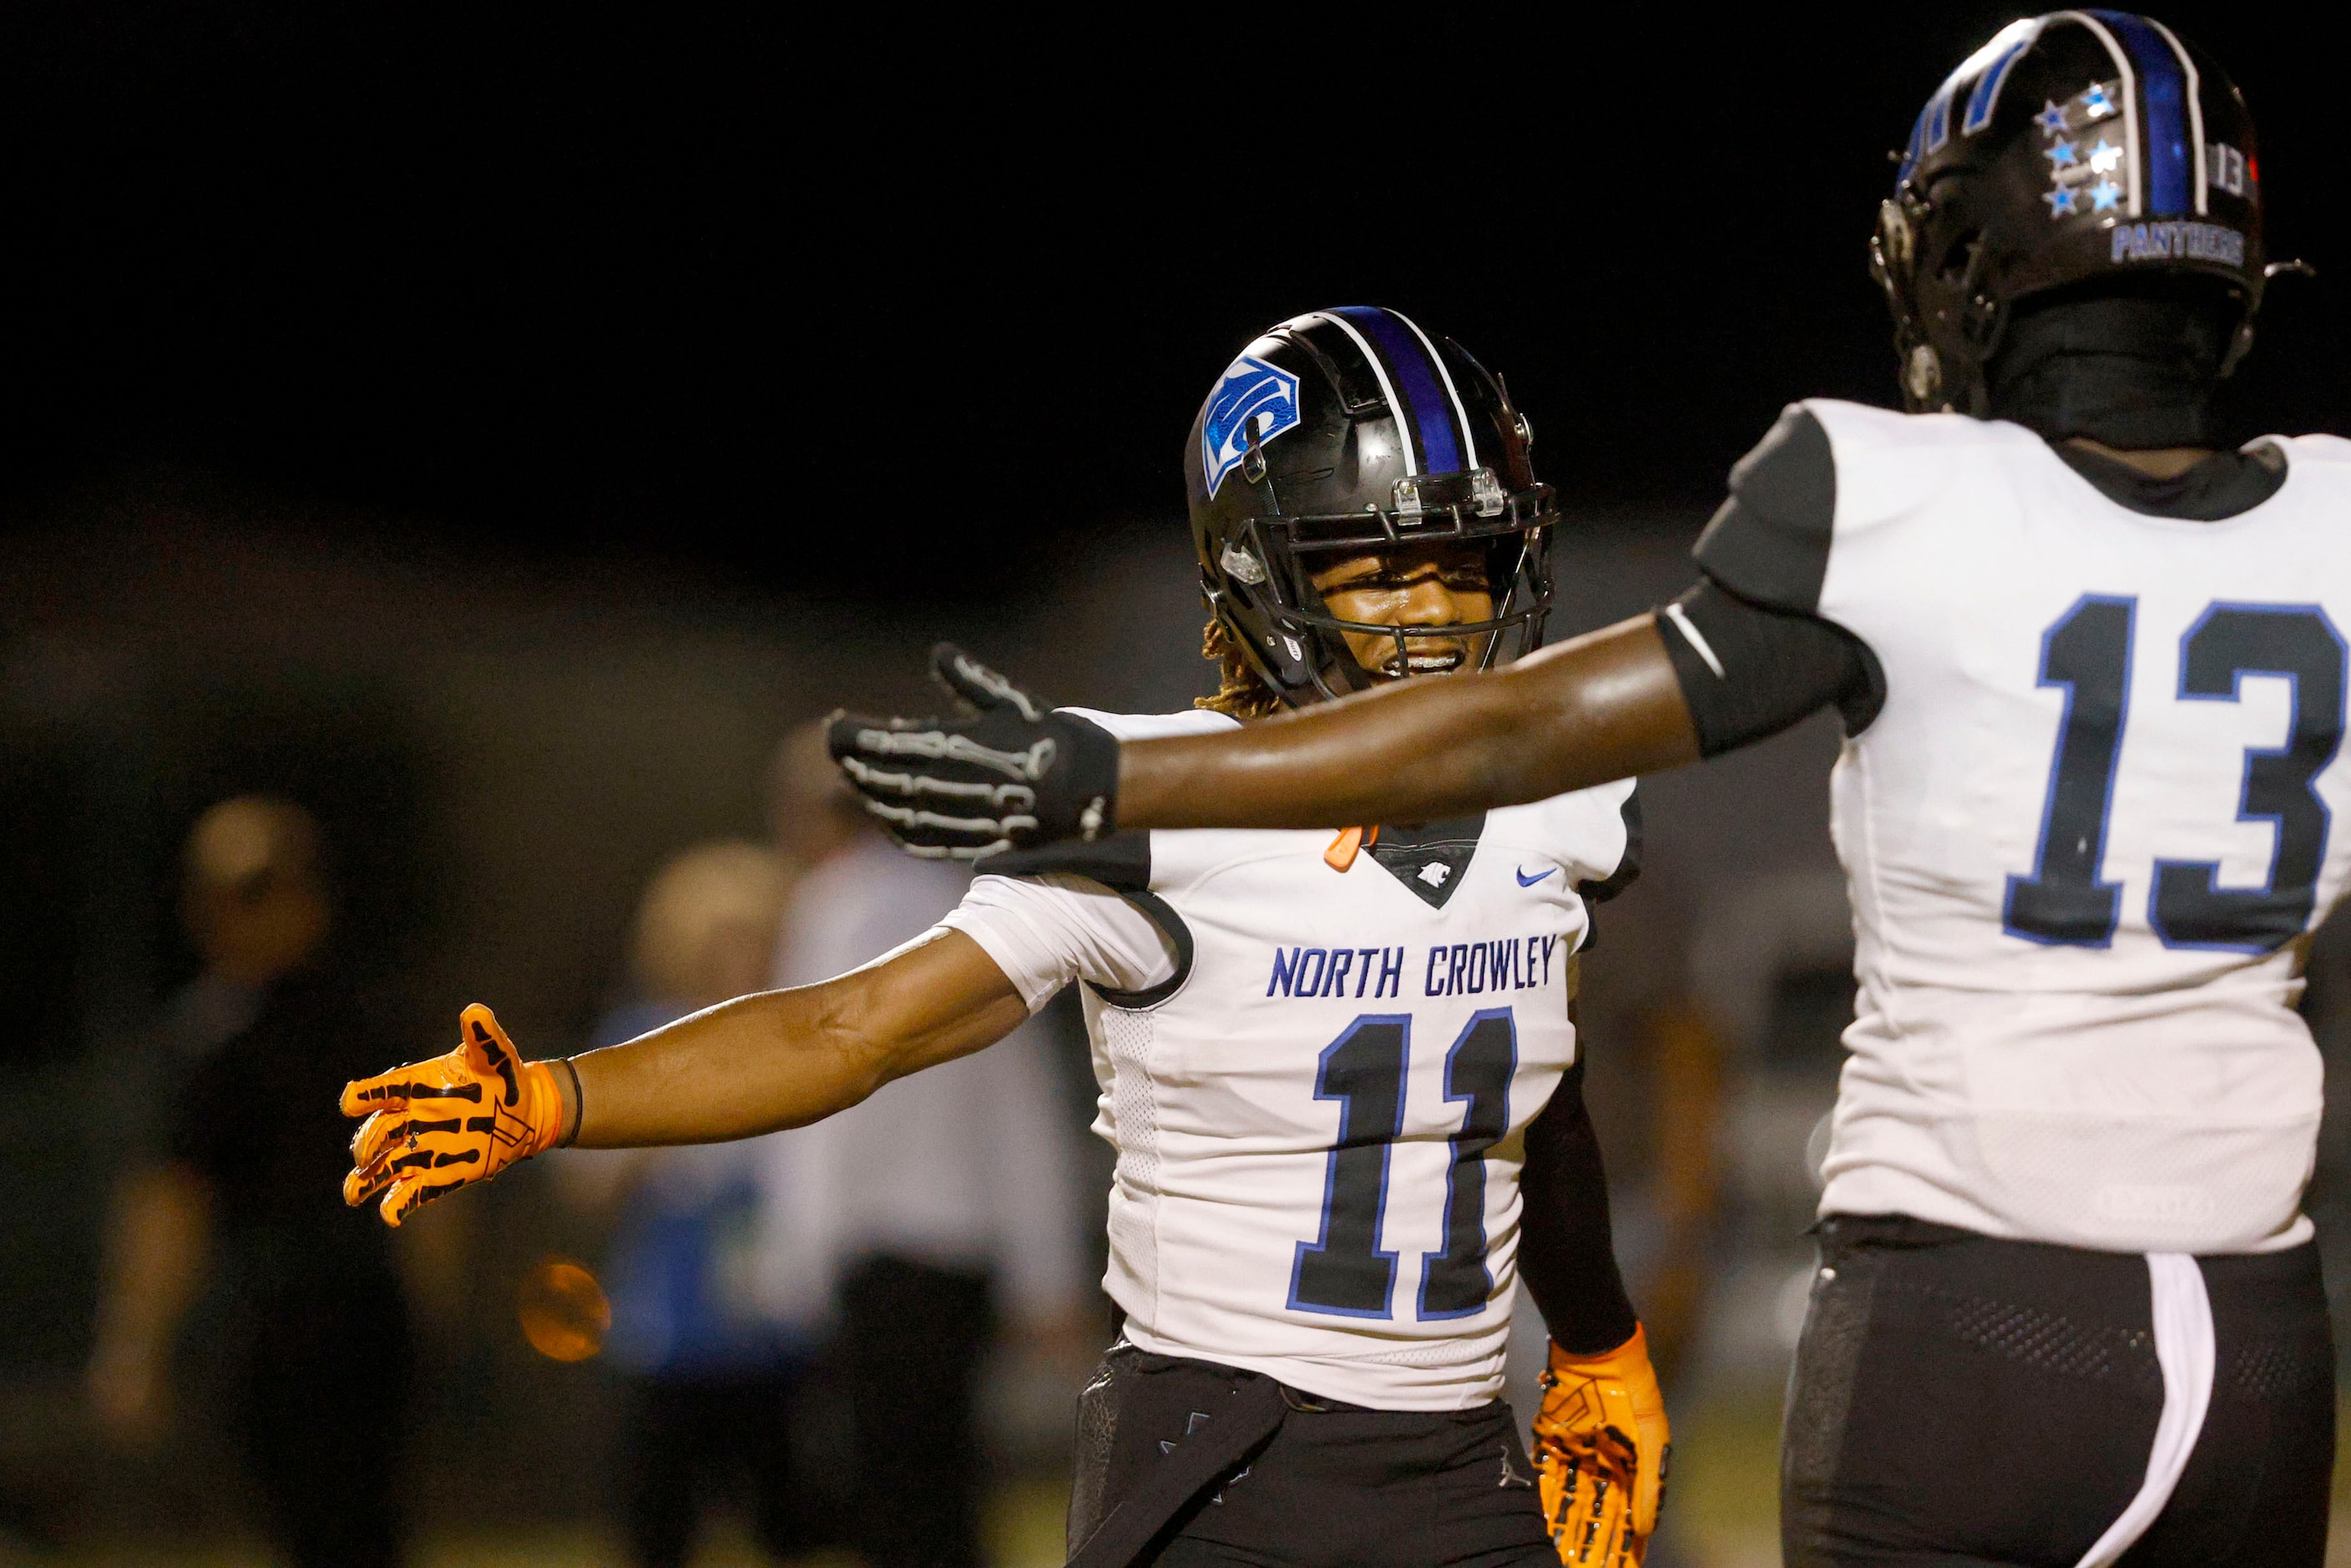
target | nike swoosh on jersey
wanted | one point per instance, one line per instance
(1526, 880)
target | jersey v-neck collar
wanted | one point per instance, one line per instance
(1429, 858)
(2224, 485)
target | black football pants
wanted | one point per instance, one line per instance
(1334, 1485)
(1963, 1401)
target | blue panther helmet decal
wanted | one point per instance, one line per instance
(1250, 392)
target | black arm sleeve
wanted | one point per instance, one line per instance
(1748, 671)
(1567, 1251)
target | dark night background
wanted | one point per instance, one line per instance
(891, 307)
(491, 427)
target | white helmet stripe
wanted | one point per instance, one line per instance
(2130, 97)
(1387, 388)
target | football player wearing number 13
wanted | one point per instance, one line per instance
(1341, 1075)
(2091, 665)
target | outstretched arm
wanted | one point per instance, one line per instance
(784, 1058)
(1604, 706)
(756, 1064)
(1744, 655)
(1636, 697)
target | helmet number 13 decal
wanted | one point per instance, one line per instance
(1342, 1270)
(2087, 654)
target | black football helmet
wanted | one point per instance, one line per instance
(2073, 148)
(1345, 432)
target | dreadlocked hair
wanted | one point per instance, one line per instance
(1239, 691)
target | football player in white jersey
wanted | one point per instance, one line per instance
(1340, 1073)
(2090, 662)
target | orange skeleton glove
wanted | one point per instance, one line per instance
(1600, 1448)
(435, 1126)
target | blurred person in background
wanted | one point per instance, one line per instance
(932, 1207)
(320, 1321)
(713, 1378)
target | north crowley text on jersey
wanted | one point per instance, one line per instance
(1452, 969)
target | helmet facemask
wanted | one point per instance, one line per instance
(1272, 609)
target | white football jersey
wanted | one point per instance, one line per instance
(2086, 835)
(1318, 1082)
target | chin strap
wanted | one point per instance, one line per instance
(1341, 855)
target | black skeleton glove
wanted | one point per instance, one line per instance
(1013, 775)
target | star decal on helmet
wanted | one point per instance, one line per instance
(2105, 194)
(2061, 201)
(2052, 118)
(2062, 155)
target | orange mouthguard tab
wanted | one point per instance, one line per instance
(1341, 853)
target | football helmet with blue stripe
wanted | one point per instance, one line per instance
(1348, 432)
(2073, 149)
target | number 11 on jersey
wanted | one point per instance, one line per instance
(1343, 1271)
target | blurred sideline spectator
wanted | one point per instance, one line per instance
(943, 1196)
(248, 1178)
(714, 1381)
(1686, 1053)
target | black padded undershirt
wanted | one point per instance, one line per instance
(1567, 1250)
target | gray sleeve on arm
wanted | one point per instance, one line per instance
(1769, 543)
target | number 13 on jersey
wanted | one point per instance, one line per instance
(1344, 1271)
(2088, 654)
